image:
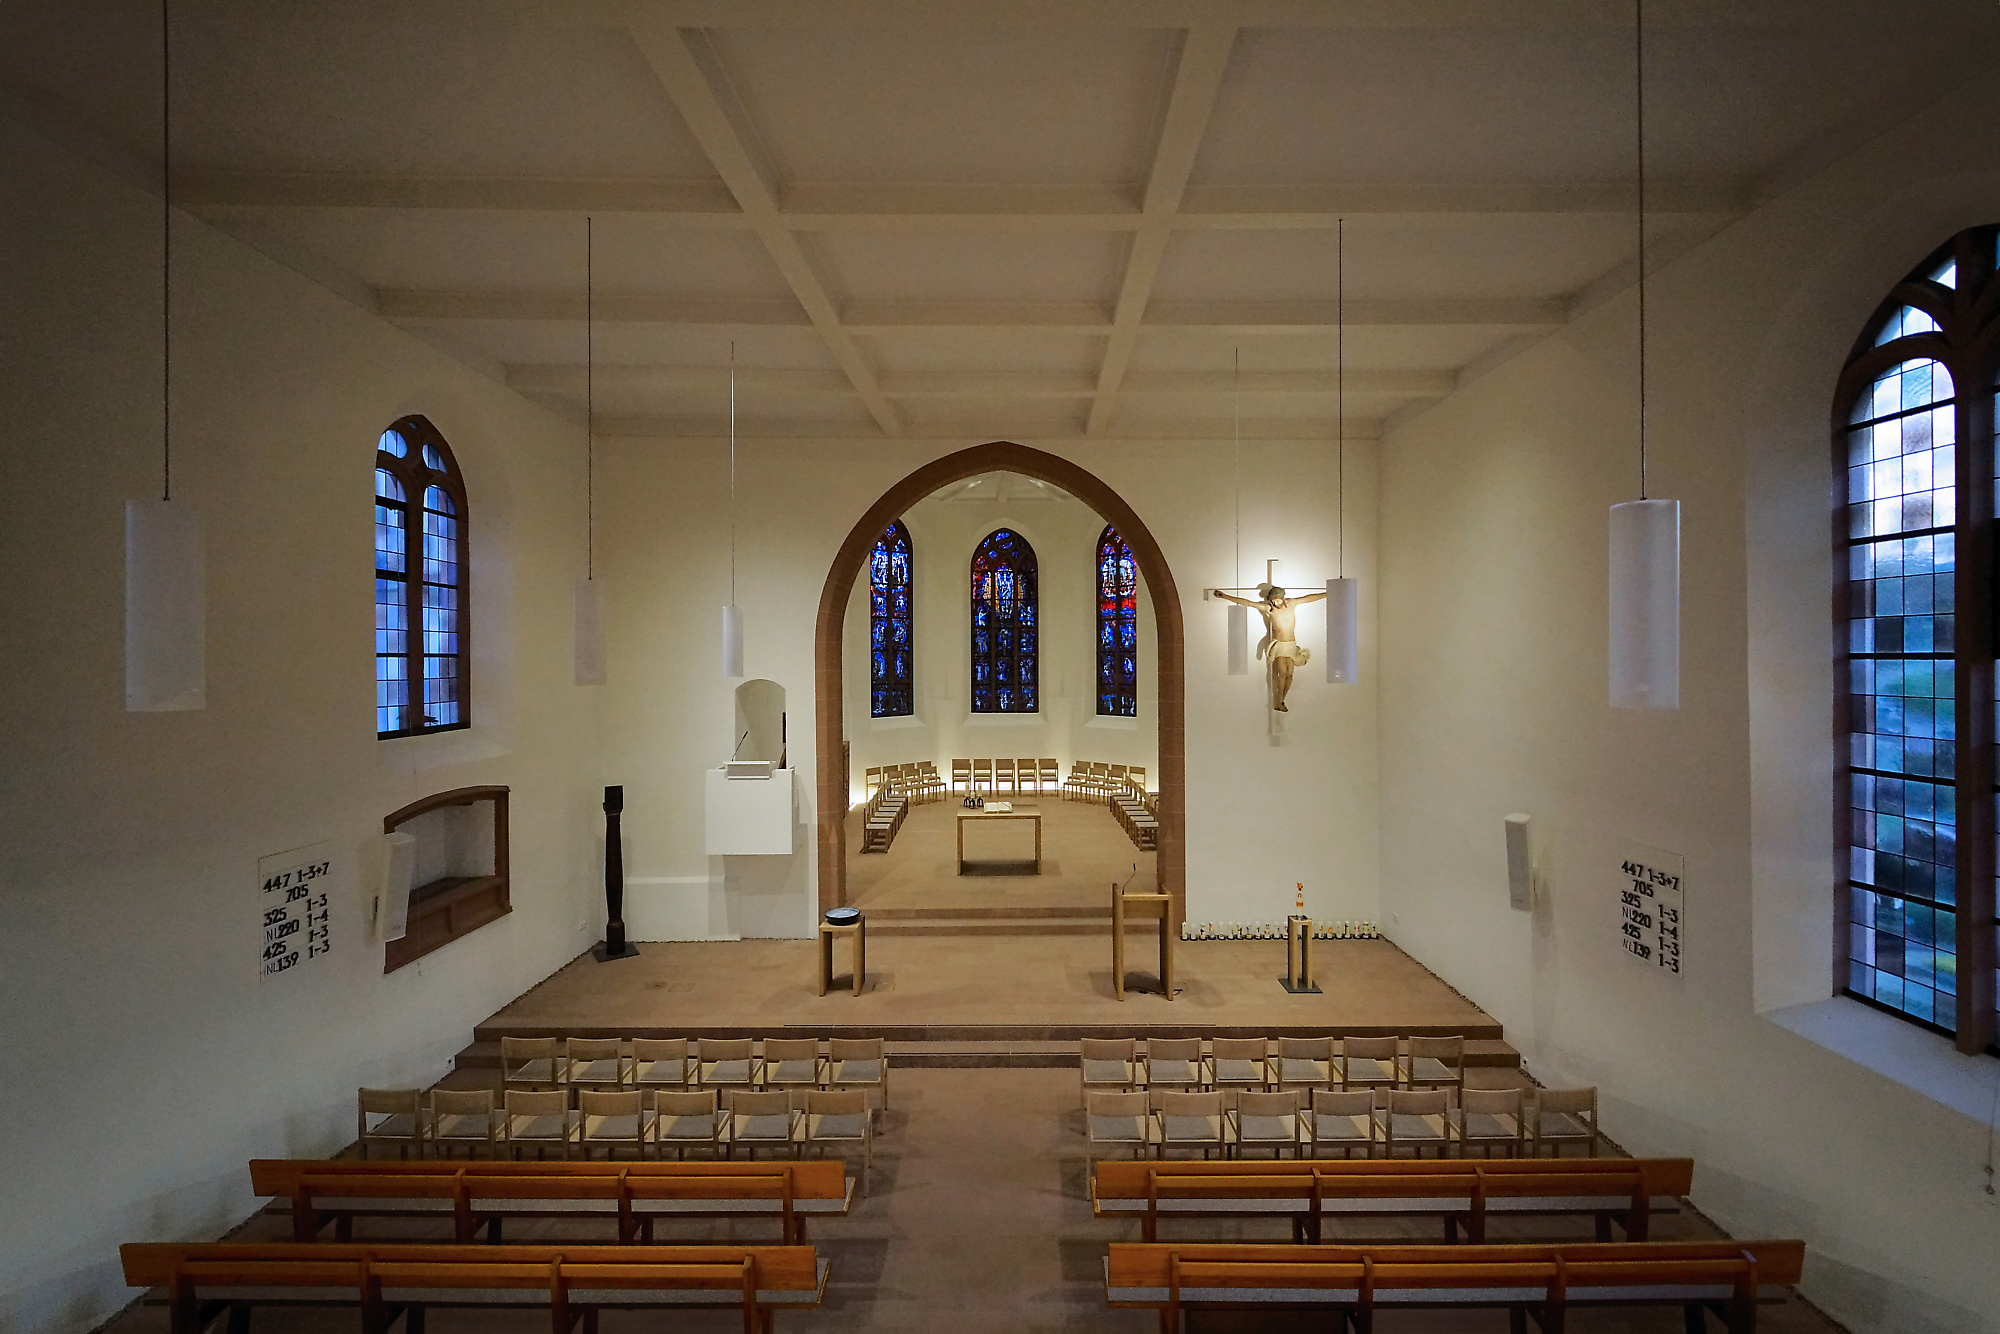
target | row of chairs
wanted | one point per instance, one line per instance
(1091, 781)
(1118, 1064)
(1139, 816)
(920, 782)
(882, 819)
(659, 1064)
(1016, 776)
(1377, 1122)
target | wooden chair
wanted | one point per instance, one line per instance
(1239, 1063)
(1267, 1120)
(595, 1064)
(858, 1063)
(792, 1063)
(1136, 776)
(614, 1121)
(841, 1116)
(1173, 1063)
(1368, 1063)
(685, 1120)
(1109, 1065)
(1118, 1121)
(961, 775)
(1077, 786)
(464, 1118)
(762, 1121)
(1343, 1121)
(1305, 1063)
(1489, 1118)
(390, 1116)
(1003, 776)
(1433, 1063)
(727, 1063)
(541, 1121)
(982, 775)
(871, 781)
(1049, 779)
(531, 1063)
(661, 1063)
(1562, 1116)
(1417, 1119)
(1114, 779)
(1028, 773)
(1192, 1121)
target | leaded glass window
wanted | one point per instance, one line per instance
(891, 638)
(1005, 632)
(1117, 627)
(1915, 444)
(420, 632)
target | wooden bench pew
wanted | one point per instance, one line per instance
(389, 1281)
(1464, 1193)
(478, 1195)
(1727, 1277)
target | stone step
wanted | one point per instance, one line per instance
(1001, 924)
(1051, 913)
(1016, 1052)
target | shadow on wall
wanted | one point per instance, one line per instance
(760, 722)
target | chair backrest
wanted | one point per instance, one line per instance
(746, 1103)
(1343, 1103)
(1115, 1104)
(982, 767)
(1491, 1102)
(514, 1050)
(1450, 1050)
(836, 1102)
(1137, 774)
(1004, 767)
(659, 1049)
(1419, 1102)
(1267, 1104)
(1305, 1049)
(390, 1102)
(1572, 1102)
(1050, 771)
(522, 1103)
(1239, 1049)
(461, 1102)
(722, 1049)
(1026, 768)
(1173, 1049)
(1109, 1049)
(1117, 772)
(929, 769)
(855, 1049)
(1369, 1049)
(791, 1049)
(960, 768)
(669, 1103)
(609, 1104)
(593, 1049)
(1191, 1104)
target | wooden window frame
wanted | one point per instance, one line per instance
(416, 478)
(445, 910)
(1967, 345)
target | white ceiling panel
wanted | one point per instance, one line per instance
(984, 349)
(995, 266)
(1212, 352)
(559, 342)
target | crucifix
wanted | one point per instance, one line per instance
(1279, 648)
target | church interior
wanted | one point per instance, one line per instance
(1092, 623)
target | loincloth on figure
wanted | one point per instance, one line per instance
(1289, 648)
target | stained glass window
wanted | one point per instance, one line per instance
(1919, 489)
(420, 641)
(1005, 631)
(891, 639)
(1117, 627)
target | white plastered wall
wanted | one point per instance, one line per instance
(1494, 555)
(147, 1060)
(1261, 816)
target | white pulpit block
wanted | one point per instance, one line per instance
(749, 816)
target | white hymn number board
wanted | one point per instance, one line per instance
(1651, 915)
(295, 899)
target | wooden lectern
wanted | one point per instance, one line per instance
(1122, 903)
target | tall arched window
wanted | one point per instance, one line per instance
(1005, 637)
(1117, 627)
(891, 640)
(1913, 418)
(421, 650)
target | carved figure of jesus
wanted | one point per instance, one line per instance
(1279, 647)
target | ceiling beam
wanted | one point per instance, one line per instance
(701, 107)
(986, 427)
(1190, 101)
(569, 379)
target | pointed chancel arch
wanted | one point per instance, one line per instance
(830, 722)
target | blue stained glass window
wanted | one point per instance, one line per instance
(421, 652)
(1005, 640)
(1117, 627)
(891, 631)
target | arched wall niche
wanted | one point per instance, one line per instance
(830, 723)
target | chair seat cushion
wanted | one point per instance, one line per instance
(466, 1126)
(1490, 1125)
(698, 1126)
(837, 1125)
(1561, 1125)
(792, 1072)
(1233, 1071)
(661, 1072)
(857, 1072)
(594, 1072)
(1107, 1072)
(1192, 1128)
(615, 1127)
(726, 1072)
(1118, 1129)
(1327, 1126)
(1294, 1070)
(1172, 1072)
(1265, 1129)
(1406, 1127)
(1428, 1070)
(552, 1127)
(777, 1126)
(541, 1071)
(1362, 1070)
(396, 1125)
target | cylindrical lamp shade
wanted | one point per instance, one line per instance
(732, 641)
(1343, 631)
(1239, 640)
(591, 633)
(1646, 605)
(166, 608)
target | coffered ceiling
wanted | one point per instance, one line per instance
(958, 218)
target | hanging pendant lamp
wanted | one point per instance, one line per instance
(1239, 616)
(732, 617)
(1343, 595)
(592, 631)
(1645, 565)
(166, 600)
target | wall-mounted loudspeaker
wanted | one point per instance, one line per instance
(1520, 865)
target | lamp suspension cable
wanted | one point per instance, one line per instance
(1340, 396)
(732, 474)
(589, 399)
(1639, 118)
(1236, 434)
(166, 258)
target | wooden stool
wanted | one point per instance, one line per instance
(855, 931)
(1298, 978)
